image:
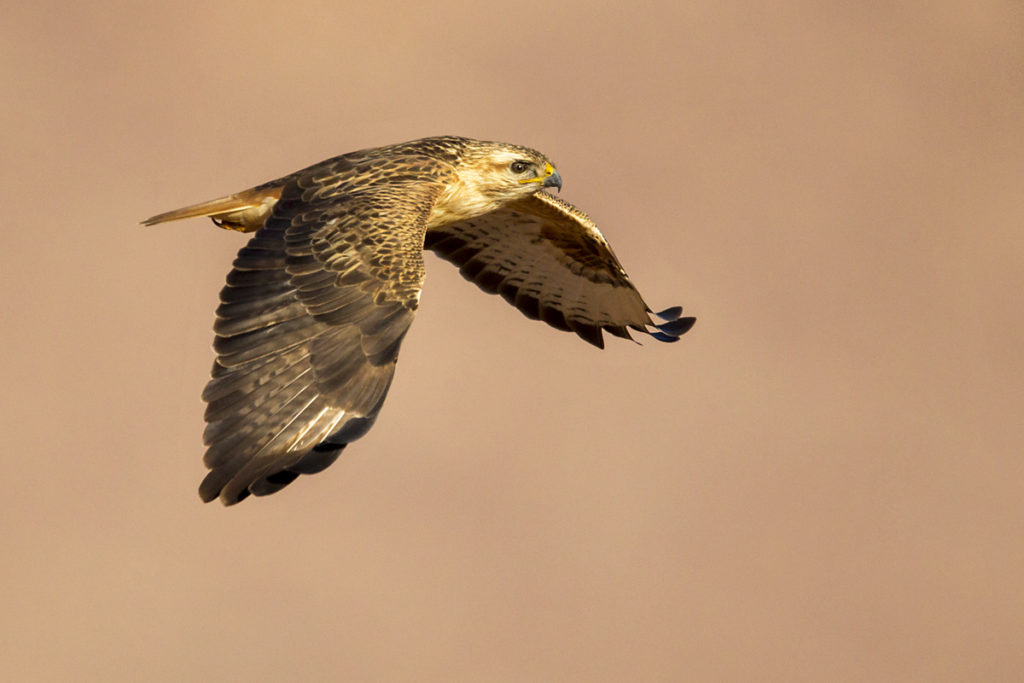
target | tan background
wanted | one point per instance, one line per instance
(822, 481)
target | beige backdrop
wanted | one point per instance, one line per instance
(822, 481)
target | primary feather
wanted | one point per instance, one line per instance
(318, 302)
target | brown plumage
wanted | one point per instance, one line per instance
(319, 300)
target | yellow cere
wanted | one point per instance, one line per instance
(548, 170)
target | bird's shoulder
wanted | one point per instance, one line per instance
(362, 170)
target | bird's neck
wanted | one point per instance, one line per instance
(462, 199)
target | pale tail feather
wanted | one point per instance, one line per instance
(245, 211)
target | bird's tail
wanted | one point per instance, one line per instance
(245, 211)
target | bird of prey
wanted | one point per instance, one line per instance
(318, 302)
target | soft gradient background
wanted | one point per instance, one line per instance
(822, 481)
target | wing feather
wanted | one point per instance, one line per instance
(548, 259)
(309, 327)
(314, 311)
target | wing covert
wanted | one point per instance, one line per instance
(309, 328)
(548, 259)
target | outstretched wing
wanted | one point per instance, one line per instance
(308, 330)
(548, 259)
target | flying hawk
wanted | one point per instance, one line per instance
(319, 300)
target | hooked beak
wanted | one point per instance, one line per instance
(553, 180)
(549, 179)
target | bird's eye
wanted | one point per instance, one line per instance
(519, 166)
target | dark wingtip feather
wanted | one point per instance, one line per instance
(211, 486)
(272, 483)
(672, 329)
(618, 331)
(670, 313)
(316, 460)
(588, 333)
(677, 327)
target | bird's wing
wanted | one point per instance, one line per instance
(548, 259)
(308, 330)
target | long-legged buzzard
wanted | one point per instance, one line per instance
(319, 300)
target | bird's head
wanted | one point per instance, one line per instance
(510, 170)
(492, 174)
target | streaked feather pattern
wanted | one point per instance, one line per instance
(547, 258)
(317, 304)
